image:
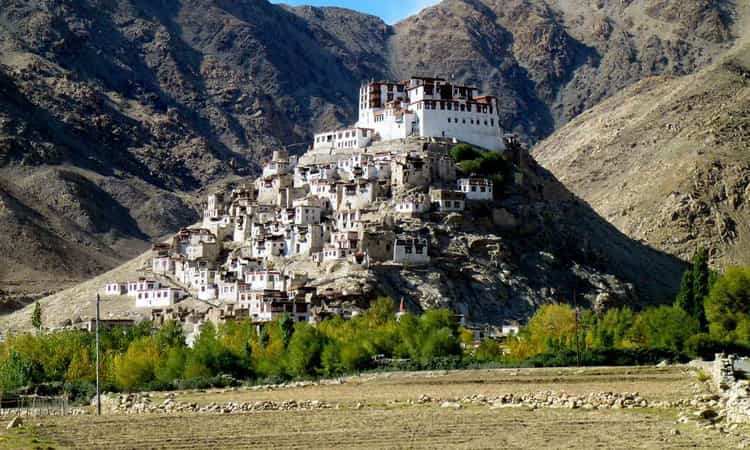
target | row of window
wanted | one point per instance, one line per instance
(144, 295)
(452, 204)
(474, 189)
(491, 123)
(454, 106)
(340, 135)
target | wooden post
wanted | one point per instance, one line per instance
(98, 393)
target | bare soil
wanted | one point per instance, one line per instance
(380, 423)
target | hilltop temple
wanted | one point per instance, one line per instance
(359, 198)
(420, 107)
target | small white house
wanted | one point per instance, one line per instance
(413, 205)
(411, 250)
(159, 297)
(162, 264)
(448, 201)
(265, 280)
(307, 215)
(342, 139)
(115, 289)
(476, 188)
(207, 292)
(141, 284)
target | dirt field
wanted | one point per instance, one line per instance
(369, 415)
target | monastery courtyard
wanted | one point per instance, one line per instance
(456, 409)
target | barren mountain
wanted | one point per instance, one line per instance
(666, 161)
(113, 115)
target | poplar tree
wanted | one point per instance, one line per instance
(36, 316)
(695, 287)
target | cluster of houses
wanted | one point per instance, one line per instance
(354, 206)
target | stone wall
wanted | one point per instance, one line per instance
(735, 391)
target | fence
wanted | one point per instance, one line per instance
(34, 405)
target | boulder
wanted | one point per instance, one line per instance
(16, 422)
(451, 405)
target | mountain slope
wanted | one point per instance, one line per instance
(131, 108)
(666, 161)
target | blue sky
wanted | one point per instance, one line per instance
(390, 10)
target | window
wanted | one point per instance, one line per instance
(449, 120)
(482, 189)
(473, 189)
(450, 106)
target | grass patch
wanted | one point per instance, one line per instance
(27, 437)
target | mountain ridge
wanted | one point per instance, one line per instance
(151, 103)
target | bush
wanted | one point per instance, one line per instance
(705, 347)
(218, 381)
(608, 357)
(463, 152)
(79, 392)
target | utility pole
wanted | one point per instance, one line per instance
(98, 393)
(578, 347)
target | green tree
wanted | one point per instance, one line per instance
(695, 287)
(611, 329)
(303, 355)
(81, 367)
(36, 316)
(552, 328)
(380, 312)
(170, 335)
(488, 350)
(16, 372)
(728, 306)
(463, 152)
(664, 327)
(286, 327)
(471, 166)
(137, 366)
(172, 367)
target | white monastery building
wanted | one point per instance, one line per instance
(420, 107)
(476, 188)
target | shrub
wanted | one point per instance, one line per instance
(463, 152)
(705, 347)
(728, 306)
(79, 392)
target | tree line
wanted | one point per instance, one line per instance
(710, 314)
(140, 358)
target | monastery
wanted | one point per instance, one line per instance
(420, 107)
(351, 199)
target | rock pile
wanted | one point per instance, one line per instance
(733, 402)
(38, 412)
(143, 404)
(550, 399)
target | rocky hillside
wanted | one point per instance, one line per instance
(550, 60)
(666, 161)
(113, 115)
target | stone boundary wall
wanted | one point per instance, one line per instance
(735, 391)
